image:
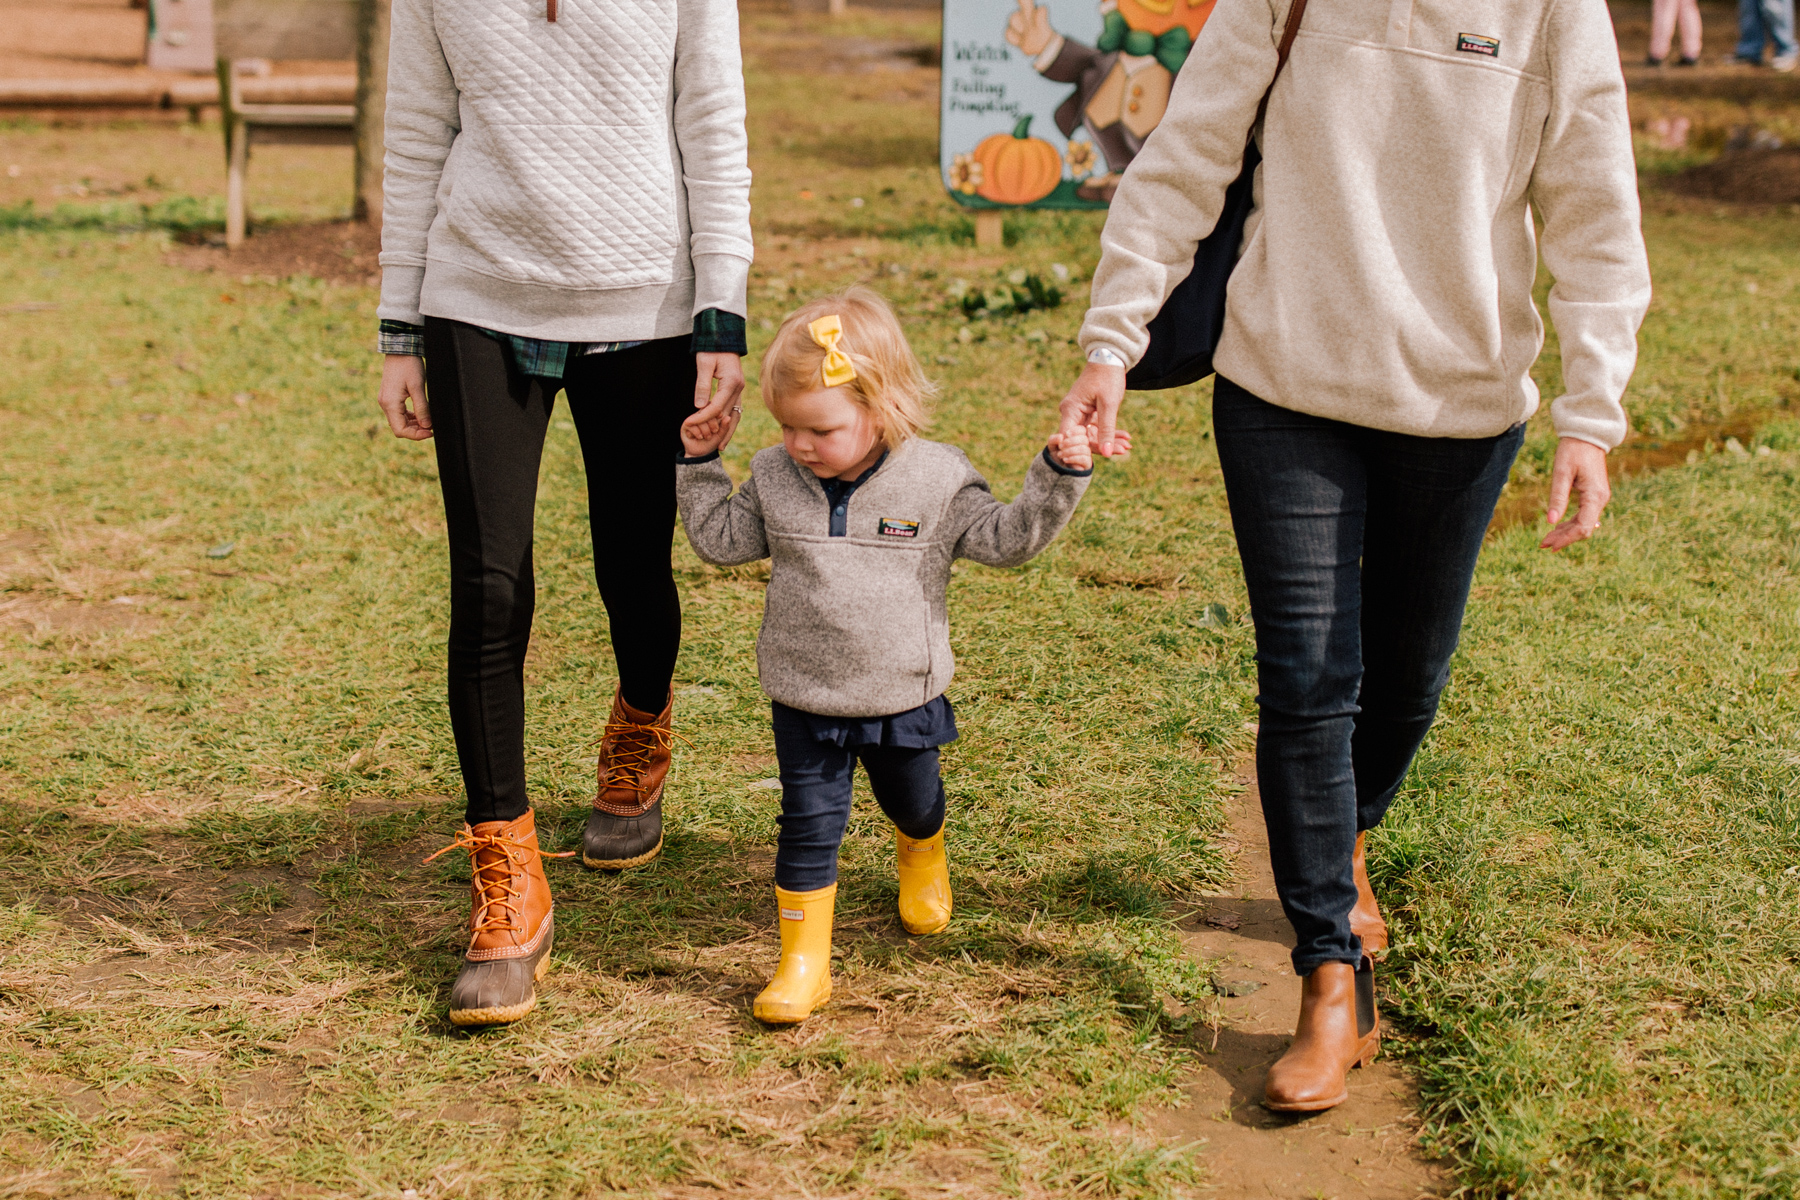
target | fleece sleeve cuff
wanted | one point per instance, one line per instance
(1062, 470)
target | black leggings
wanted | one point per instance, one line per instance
(489, 420)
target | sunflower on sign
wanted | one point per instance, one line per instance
(966, 174)
(1081, 159)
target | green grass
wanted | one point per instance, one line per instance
(1600, 855)
(223, 962)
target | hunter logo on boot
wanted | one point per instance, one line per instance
(894, 527)
(793, 914)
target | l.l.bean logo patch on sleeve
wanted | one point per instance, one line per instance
(896, 528)
(1475, 43)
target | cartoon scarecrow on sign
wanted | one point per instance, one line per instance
(1122, 82)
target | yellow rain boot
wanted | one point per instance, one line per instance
(924, 883)
(803, 978)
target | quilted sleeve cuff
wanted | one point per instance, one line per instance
(402, 337)
(722, 281)
(719, 332)
(401, 283)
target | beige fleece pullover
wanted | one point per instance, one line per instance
(579, 180)
(1387, 270)
(857, 625)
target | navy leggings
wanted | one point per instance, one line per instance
(1358, 548)
(816, 778)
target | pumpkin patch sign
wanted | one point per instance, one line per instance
(1045, 102)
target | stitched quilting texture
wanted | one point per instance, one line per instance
(604, 150)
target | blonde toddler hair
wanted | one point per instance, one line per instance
(889, 385)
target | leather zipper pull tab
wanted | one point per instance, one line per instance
(550, 9)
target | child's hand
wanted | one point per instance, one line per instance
(701, 434)
(1076, 450)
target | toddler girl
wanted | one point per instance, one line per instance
(862, 519)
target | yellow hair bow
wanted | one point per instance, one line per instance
(837, 368)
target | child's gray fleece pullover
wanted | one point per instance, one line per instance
(856, 625)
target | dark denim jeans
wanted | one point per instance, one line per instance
(1358, 547)
(816, 779)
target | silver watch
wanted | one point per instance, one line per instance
(1107, 355)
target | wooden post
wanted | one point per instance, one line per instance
(237, 141)
(371, 106)
(990, 227)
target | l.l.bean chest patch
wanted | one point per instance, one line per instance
(894, 527)
(1475, 43)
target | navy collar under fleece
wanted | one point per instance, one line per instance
(838, 492)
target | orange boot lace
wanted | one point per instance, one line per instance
(498, 864)
(628, 750)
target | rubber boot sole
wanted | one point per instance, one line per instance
(619, 864)
(508, 1013)
(785, 1019)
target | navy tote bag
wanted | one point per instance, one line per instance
(1185, 333)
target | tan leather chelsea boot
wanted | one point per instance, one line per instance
(1339, 1029)
(1365, 918)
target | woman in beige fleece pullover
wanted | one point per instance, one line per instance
(1373, 384)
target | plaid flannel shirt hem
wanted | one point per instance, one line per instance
(398, 337)
(715, 332)
(719, 332)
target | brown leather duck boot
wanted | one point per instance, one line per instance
(1365, 918)
(625, 828)
(1339, 1029)
(510, 925)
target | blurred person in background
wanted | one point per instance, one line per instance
(1665, 17)
(1766, 22)
(1374, 379)
(567, 208)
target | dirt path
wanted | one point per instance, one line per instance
(1365, 1149)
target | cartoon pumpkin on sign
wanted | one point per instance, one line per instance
(1017, 168)
(1122, 82)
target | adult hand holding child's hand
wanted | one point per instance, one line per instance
(1075, 449)
(723, 371)
(1093, 404)
(707, 431)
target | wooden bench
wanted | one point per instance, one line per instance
(275, 30)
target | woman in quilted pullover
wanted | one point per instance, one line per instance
(567, 208)
(1374, 377)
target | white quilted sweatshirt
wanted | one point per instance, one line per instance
(1387, 271)
(581, 180)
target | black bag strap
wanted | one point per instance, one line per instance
(1296, 10)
